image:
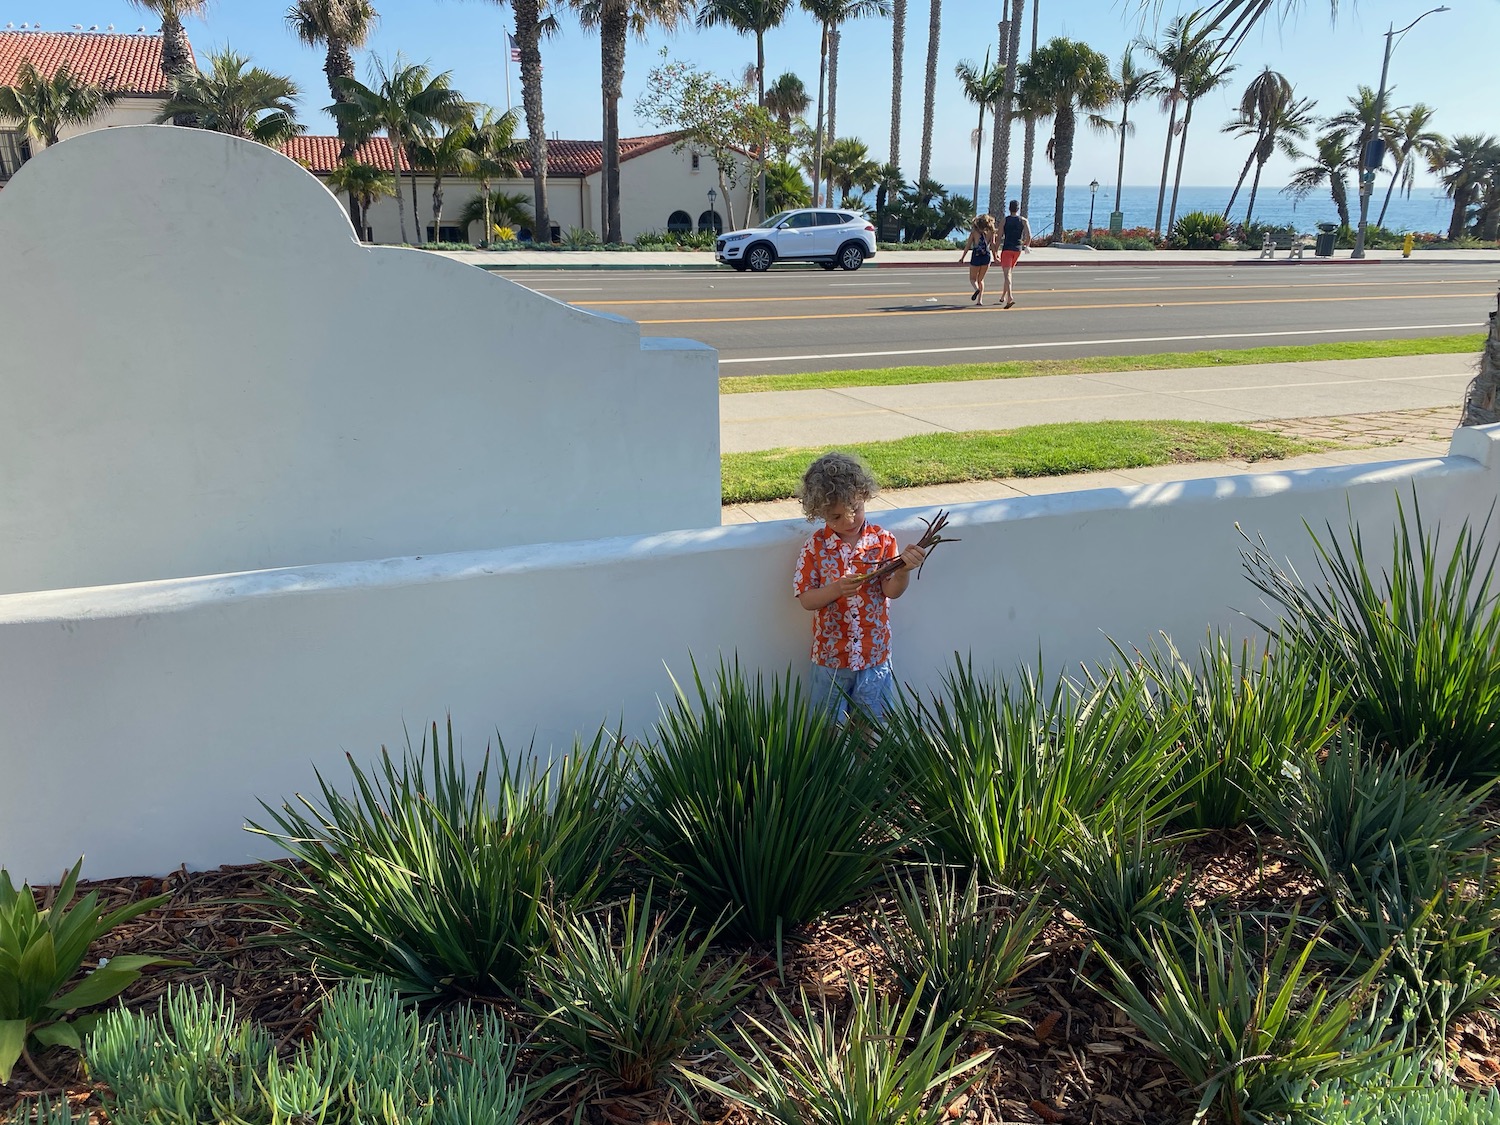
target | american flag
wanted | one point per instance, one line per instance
(515, 48)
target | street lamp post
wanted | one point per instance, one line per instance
(1093, 191)
(713, 216)
(1374, 153)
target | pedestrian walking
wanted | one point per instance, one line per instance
(1014, 238)
(980, 250)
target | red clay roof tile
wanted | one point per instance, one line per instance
(122, 64)
(564, 158)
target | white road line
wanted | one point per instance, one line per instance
(539, 289)
(1085, 343)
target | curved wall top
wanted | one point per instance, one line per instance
(204, 372)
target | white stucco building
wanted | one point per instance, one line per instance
(661, 188)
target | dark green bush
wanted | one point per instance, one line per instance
(1106, 242)
(1137, 244)
(1199, 230)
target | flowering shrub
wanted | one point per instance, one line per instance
(1199, 230)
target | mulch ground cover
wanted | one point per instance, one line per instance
(1074, 1060)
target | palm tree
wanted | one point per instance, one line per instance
(616, 20)
(984, 87)
(1284, 124)
(496, 207)
(785, 187)
(1463, 165)
(1212, 70)
(1180, 51)
(404, 101)
(934, 29)
(531, 25)
(364, 183)
(847, 164)
(42, 106)
(787, 100)
(236, 98)
(1062, 78)
(1258, 103)
(342, 26)
(749, 17)
(1411, 139)
(1362, 119)
(888, 182)
(443, 154)
(1331, 163)
(898, 62)
(1132, 85)
(176, 53)
(497, 154)
(830, 14)
(1009, 58)
(845, 11)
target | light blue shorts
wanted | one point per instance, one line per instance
(870, 691)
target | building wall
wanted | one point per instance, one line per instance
(127, 111)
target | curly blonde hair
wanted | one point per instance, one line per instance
(833, 479)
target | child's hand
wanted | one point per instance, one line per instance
(848, 585)
(913, 556)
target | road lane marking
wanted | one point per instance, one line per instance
(1090, 343)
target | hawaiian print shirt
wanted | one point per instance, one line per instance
(852, 632)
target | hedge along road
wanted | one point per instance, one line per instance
(799, 319)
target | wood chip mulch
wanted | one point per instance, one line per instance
(1073, 1061)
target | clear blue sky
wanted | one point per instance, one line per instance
(1446, 61)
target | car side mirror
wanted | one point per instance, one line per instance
(783, 226)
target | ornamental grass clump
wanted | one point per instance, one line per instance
(1413, 633)
(761, 808)
(1249, 1023)
(43, 989)
(957, 948)
(1000, 776)
(436, 879)
(879, 1066)
(625, 997)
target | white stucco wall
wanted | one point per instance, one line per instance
(204, 372)
(142, 722)
(570, 203)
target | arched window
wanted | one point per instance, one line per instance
(710, 220)
(680, 223)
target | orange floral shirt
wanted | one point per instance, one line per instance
(853, 632)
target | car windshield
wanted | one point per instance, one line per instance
(774, 220)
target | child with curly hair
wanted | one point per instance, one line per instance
(851, 649)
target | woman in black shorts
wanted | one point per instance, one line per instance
(981, 250)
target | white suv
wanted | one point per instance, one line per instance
(833, 239)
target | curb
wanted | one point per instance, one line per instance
(712, 267)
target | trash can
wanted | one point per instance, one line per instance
(1327, 232)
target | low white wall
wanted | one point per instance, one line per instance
(204, 372)
(143, 722)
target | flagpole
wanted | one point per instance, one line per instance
(507, 71)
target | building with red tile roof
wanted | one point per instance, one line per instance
(565, 159)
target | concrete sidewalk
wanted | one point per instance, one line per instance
(1042, 256)
(1384, 409)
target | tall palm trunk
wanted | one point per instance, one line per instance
(978, 152)
(1187, 118)
(1254, 188)
(934, 29)
(833, 99)
(1010, 51)
(339, 63)
(614, 26)
(394, 137)
(817, 168)
(489, 213)
(1239, 183)
(176, 59)
(437, 208)
(528, 38)
(1461, 197)
(1062, 161)
(1120, 171)
(1166, 162)
(898, 52)
(416, 219)
(1395, 177)
(1028, 144)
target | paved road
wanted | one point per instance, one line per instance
(810, 320)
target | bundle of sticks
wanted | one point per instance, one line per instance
(930, 539)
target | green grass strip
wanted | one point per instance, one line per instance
(1021, 368)
(1030, 451)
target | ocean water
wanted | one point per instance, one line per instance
(1428, 209)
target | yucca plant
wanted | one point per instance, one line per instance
(760, 808)
(1414, 634)
(1123, 881)
(881, 1066)
(999, 775)
(1240, 719)
(1351, 815)
(623, 999)
(1253, 1029)
(436, 879)
(958, 949)
(42, 952)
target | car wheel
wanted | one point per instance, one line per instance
(851, 256)
(759, 257)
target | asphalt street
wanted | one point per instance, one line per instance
(790, 320)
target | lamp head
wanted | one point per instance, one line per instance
(1093, 186)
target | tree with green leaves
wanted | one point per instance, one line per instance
(847, 165)
(1411, 141)
(785, 187)
(1133, 84)
(1278, 126)
(41, 107)
(1065, 78)
(1184, 47)
(830, 14)
(1211, 70)
(365, 184)
(405, 101)
(176, 53)
(786, 100)
(533, 22)
(495, 208)
(1258, 103)
(443, 154)
(1464, 165)
(749, 17)
(888, 183)
(843, 11)
(236, 98)
(984, 86)
(496, 155)
(1331, 165)
(341, 27)
(1364, 122)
